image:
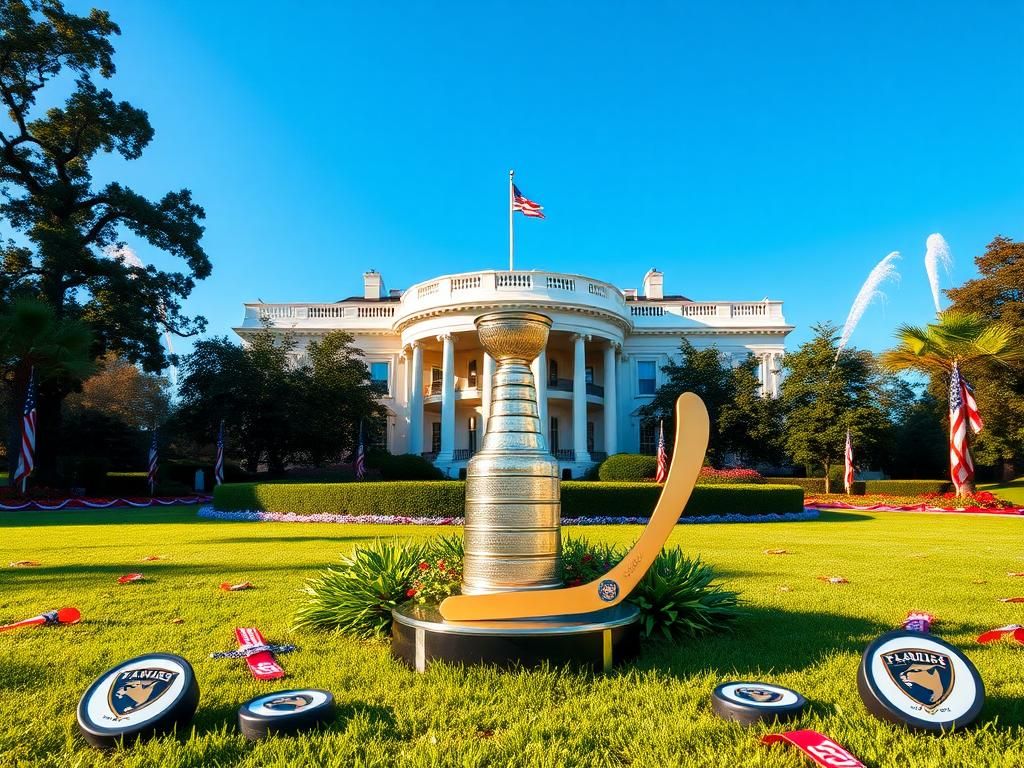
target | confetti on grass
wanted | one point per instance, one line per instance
(237, 587)
(1011, 599)
(833, 579)
(25, 564)
(151, 558)
(777, 552)
(129, 578)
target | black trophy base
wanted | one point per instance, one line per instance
(598, 640)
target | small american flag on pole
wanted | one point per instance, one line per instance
(360, 455)
(218, 464)
(27, 456)
(662, 474)
(525, 206)
(153, 462)
(963, 413)
(848, 473)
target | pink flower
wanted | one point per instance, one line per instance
(410, 593)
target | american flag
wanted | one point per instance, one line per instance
(360, 455)
(662, 474)
(963, 413)
(848, 473)
(27, 457)
(527, 207)
(153, 461)
(218, 464)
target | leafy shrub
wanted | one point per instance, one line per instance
(407, 466)
(677, 597)
(628, 467)
(88, 472)
(712, 476)
(908, 487)
(357, 596)
(447, 498)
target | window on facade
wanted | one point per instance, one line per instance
(436, 375)
(590, 436)
(646, 377)
(648, 437)
(435, 437)
(379, 376)
(552, 373)
(472, 434)
(471, 374)
(553, 437)
(378, 436)
(588, 374)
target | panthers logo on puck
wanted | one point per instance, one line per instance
(608, 590)
(136, 689)
(759, 695)
(925, 676)
(289, 703)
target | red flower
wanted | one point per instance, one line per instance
(587, 557)
(440, 564)
(575, 582)
(424, 566)
(410, 593)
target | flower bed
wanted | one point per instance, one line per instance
(256, 516)
(982, 501)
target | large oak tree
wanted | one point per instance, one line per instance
(68, 226)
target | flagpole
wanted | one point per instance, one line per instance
(511, 205)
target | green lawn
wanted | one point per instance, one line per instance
(654, 712)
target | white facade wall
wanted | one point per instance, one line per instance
(612, 325)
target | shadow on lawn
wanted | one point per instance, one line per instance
(381, 719)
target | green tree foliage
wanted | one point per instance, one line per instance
(987, 351)
(742, 422)
(918, 448)
(821, 400)
(275, 412)
(998, 294)
(66, 223)
(120, 390)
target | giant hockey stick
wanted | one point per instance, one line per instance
(614, 586)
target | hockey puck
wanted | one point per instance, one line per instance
(140, 698)
(285, 712)
(919, 681)
(753, 702)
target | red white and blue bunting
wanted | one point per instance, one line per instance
(52, 505)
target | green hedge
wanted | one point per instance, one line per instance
(816, 485)
(446, 498)
(908, 487)
(628, 467)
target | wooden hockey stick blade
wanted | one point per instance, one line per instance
(613, 587)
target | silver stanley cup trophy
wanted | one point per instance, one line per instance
(513, 511)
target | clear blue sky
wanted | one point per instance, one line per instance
(746, 149)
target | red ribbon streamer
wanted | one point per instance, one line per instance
(1016, 631)
(818, 747)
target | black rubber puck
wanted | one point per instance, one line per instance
(753, 702)
(919, 681)
(285, 712)
(140, 698)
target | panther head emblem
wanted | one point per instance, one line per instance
(289, 703)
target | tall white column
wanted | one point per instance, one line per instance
(485, 397)
(447, 400)
(579, 398)
(416, 399)
(611, 402)
(540, 380)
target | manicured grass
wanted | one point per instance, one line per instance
(1011, 491)
(654, 712)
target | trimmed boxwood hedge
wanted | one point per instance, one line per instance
(816, 485)
(628, 467)
(908, 487)
(446, 498)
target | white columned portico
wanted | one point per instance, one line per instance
(416, 399)
(579, 398)
(540, 380)
(611, 412)
(485, 404)
(447, 452)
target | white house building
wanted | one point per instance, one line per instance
(603, 360)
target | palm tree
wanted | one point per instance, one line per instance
(963, 339)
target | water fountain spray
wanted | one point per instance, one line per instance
(936, 254)
(885, 269)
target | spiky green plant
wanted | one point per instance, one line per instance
(357, 596)
(677, 597)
